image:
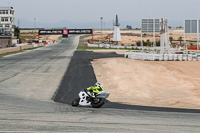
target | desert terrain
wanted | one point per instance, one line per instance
(150, 83)
(132, 38)
(26, 37)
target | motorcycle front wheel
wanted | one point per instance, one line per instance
(97, 103)
(75, 102)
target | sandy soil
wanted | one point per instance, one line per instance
(50, 38)
(129, 39)
(34, 36)
(162, 84)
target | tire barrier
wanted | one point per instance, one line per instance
(162, 57)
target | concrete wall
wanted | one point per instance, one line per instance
(4, 42)
(29, 31)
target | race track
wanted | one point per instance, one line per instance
(29, 80)
(80, 75)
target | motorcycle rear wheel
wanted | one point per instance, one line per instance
(97, 104)
(75, 102)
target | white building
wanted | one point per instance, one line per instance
(6, 21)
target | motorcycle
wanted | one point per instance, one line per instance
(86, 98)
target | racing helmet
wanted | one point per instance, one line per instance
(97, 84)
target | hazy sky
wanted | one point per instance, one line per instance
(54, 11)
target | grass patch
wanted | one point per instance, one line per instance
(9, 53)
(81, 39)
(60, 39)
(98, 48)
(15, 52)
(32, 48)
(83, 46)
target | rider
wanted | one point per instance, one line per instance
(95, 89)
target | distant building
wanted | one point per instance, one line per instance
(6, 26)
(6, 21)
(129, 27)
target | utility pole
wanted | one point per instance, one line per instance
(101, 25)
(34, 24)
(101, 22)
(18, 23)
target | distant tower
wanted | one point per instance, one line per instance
(117, 34)
(164, 38)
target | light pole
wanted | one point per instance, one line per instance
(101, 22)
(101, 25)
(34, 24)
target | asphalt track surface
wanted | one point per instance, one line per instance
(28, 81)
(80, 75)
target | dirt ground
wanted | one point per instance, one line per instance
(129, 39)
(34, 36)
(150, 83)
